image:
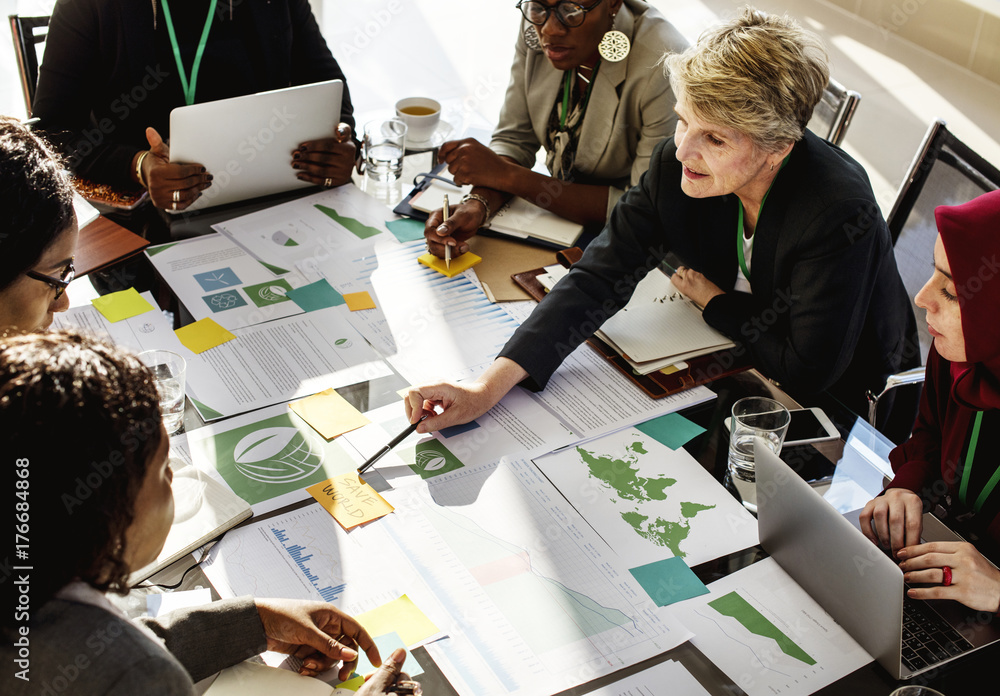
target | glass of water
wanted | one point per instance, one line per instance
(385, 144)
(168, 370)
(754, 416)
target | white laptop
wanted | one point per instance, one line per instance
(857, 582)
(246, 143)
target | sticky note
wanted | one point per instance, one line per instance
(355, 682)
(318, 295)
(202, 335)
(458, 429)
(121, 305)
(458, 263)
(672, 430)
(350, 500)
(402, 616)
(329, 414)
(668, 581)
(407, 229)
(359, 300)
(386, 644)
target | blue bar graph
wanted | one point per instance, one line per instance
(328, 593)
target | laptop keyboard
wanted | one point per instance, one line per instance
(927, 638)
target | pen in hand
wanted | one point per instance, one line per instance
(410, 429)
(445, 212)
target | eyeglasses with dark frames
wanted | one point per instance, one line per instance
(569, 14)
(61, 283)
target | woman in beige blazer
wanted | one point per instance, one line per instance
(585, 86)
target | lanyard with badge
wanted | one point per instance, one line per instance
(739, 225)
(967, 471)
(189, 87)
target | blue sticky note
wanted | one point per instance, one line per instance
(672, 430)
(458, 429)
(318, 295)
(386, 644)
(407, 229)
(668, 581)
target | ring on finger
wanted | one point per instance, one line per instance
(328, 182)
(177, 195)
(946, 571)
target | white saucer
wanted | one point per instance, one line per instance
(438, 137)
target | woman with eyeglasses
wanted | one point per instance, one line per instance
(39, 238)
(584, 86)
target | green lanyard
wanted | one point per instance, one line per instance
(739, 225)
(967, 471)
(568, 89)
(189, 88)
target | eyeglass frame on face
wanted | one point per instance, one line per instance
(550, 9)
(59, 284)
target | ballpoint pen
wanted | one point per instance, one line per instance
(410, 429)
(445, 212)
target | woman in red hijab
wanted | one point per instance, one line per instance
(951, 458)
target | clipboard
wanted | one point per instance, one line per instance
(700, 370)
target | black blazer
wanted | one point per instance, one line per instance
(105, 76)
(828, 308)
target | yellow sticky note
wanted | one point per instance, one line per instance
(458, 264)
(402, 616)
(404, 391)
(359, 300)
(350, 500)
(121, 305)
(352, 684)
(329, 414)
(202, 335)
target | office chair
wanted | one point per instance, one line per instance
(832, 116)
(28, 33)
(945, 171)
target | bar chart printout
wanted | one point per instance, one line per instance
(328, 593)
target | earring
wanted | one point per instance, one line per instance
(614, 46)
(772, 166)
(530, 35)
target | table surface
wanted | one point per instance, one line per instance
(710, 449)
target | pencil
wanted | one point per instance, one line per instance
(445, 212)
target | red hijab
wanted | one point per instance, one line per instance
(970, 234)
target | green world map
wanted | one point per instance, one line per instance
(621, 476)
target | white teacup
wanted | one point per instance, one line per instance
(421, 116)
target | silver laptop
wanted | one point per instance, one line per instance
(246, 143)
(855, 581)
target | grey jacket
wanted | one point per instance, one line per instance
(631, 106)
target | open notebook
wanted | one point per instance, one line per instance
(658, 327)
(203, 509)
(518, 218)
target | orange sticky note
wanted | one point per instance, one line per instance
(329, 414)
(359, 300)
(203, 335)
(350, 500)
(458, 264)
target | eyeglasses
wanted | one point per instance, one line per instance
(61, 283)
(569, 14)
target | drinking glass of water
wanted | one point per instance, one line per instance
(168, 370)
(385, 144)
(754, 416)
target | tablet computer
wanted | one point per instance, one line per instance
(246, 143)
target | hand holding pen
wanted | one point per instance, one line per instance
(446, 213)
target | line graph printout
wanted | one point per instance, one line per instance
(444, 328)
(768, 635)
(649, 502)
(544, 603)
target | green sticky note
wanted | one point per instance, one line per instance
(121, 305)
(352, 684)
(318, 295)
(668, 581)
(672, 430)
(407, 229)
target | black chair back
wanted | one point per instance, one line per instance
(29, 35)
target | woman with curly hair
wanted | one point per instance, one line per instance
(80, 427)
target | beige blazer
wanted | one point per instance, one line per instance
(631, 106)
